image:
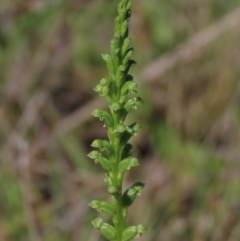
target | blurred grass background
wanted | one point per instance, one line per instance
(188, 73)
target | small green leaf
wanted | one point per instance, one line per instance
(126, 151)
(131, 63)
(129, 77)
(131, 193)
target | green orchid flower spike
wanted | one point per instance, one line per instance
(114, 154)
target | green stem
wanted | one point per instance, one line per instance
(119, 222)
(119, 219)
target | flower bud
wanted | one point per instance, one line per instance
(134, 128)
(105, 229)
(115, 106)
(97, 88)
(120, 7)
(121, 72)
(117, 40)
(122, 12)
(127, 163)
(119, 178)
(94, 155)
(133, 103)
(126, 45)
(103, 145)
(129, 87)
(133, 232)
(107, 179)
(115, 53)
(112, 47)
(131, 193)
(106, 57)
(102, 206)
(110, 65)
(103, 115)
(128, 56)
(122, 68)
(112, 189)
(104, 91)
(104, 162)
(129, 4)
(99, 158)
(120, 128)
(105, 81)
(124, 27)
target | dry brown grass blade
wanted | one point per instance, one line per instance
(26, 192)
(27, 118)
(78, 117)
(192, 48)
